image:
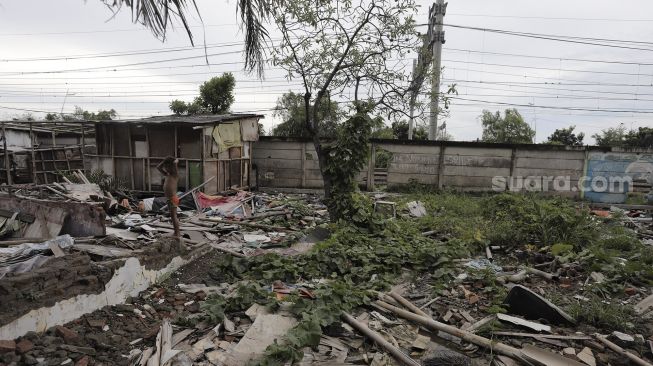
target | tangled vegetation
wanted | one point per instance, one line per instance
(344, 269)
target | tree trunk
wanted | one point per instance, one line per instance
(322, 161)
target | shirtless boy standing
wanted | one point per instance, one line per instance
(168, 168)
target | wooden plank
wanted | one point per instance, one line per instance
(56, 250)
(24, 217)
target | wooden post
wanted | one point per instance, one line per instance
(131, 155)
(202, 153)
(371, 167)
(31, 139)
(147, 159)
(176, 143)
(82, 149)
(7, 164)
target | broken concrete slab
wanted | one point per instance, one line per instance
(416, 208)
(52, 218)
(644, 305)
(263, 332)
(586, 356)
(540, 356)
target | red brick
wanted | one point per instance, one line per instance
(65, 333)
(7, 346)
(24, 346)
(83, 361)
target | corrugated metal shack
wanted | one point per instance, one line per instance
(40, 151)
(207, 146)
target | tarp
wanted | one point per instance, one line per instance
(28, 256)
(224, 203)
(227, 135)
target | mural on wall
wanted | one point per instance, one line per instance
(610, 175)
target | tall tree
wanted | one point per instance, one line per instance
(566, 136)
(292, 111)
(217, 94)
(216, 97)
(338, 48)
(640, 138)
(613, 136)
(510, 128)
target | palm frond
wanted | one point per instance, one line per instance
(157, 15)
(252, 15)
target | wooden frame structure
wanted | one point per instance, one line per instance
(130, 150)
(41, 150)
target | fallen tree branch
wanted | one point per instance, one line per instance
(498, 347)
(537, 272)
(623, 352)
(400, 299)
(248, 224)
(228, 251)
(378, 339)
(517, 277)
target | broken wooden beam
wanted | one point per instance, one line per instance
(378, 339)
(636, 360)
(546, 275)
(497, 347)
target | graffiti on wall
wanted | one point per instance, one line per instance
(617, 166)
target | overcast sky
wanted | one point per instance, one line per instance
(549, 89)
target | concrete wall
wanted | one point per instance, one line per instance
(288, 164)
(465, 166)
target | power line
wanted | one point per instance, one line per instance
(567, 39)
(122, 53)
(103, 31)
(646, 111)
(123, 65)
(551, 57)
(552, 18)
(553, 89)
(551, 83)
(545, 68)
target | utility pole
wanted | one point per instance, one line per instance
(436, 18)
(411, 121)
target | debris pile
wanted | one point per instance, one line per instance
(446, 280)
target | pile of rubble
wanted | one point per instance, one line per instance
(496, 306)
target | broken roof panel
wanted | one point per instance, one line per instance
(196, 120)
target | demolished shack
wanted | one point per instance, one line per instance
(39, 152)
(207, 146)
